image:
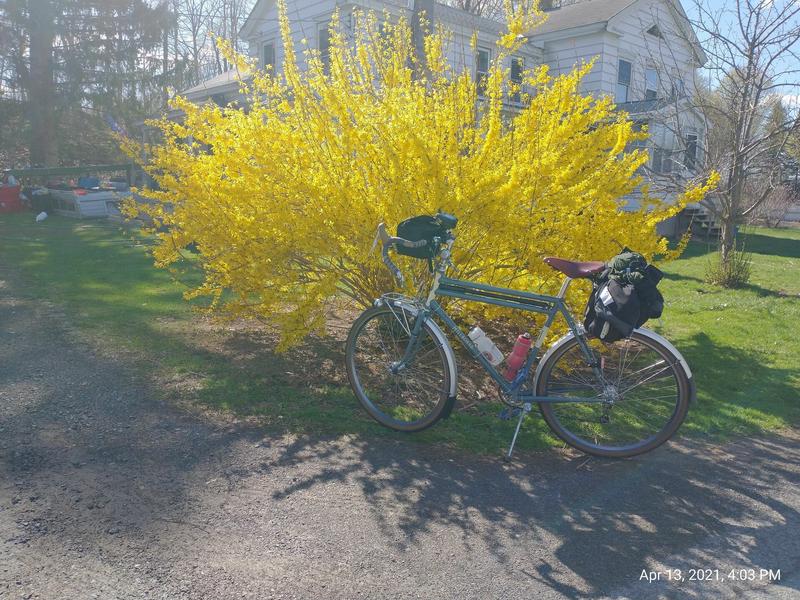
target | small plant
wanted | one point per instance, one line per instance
(731, 273)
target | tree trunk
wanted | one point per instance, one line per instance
(41, 92)
(727, 239)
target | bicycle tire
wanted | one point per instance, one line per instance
(553, 412)
(397, 402)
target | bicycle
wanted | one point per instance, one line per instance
(613, 400)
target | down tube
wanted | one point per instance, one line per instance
(437, 310)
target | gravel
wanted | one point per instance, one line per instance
(107, 492)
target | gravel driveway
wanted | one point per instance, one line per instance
(107, 493)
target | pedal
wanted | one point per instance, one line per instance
(508, 413)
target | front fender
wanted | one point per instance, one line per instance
(441, 338)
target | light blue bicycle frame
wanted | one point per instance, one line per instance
(509, 298)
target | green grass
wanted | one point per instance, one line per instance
(742, 345)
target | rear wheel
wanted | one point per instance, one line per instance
(643, 401)
(411, 398)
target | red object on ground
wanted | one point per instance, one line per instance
(518, 355)
(9, 199)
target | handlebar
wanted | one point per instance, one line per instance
(389, 241)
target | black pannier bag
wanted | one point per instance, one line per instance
(624, 297)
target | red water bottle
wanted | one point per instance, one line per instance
(517, 357)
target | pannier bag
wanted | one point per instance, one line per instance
(624, 297)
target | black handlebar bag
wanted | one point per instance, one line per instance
(419, 228)
(423, 227)
(613, 311)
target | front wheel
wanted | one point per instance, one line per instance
(412, 397)
(639, 403)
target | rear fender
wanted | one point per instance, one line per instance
(646, 333)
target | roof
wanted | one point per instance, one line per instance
(581, 14)
(642, 106)
(217, 83)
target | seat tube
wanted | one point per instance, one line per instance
(563, 291)
(552, 315)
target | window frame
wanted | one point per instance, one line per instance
(651, 93)
(622, 84)
(480, 81)
(274, 63)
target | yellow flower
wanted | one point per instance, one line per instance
(282, 199)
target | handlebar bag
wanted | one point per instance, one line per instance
(423, 227)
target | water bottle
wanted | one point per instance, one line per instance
(518, 356)
(486, 346)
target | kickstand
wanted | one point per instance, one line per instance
(526, 408)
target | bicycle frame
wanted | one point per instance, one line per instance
(509, 298)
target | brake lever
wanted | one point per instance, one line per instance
(380, 234)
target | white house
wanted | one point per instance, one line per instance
(645, 51)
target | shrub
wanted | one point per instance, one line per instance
(282, 199)
(731, 273)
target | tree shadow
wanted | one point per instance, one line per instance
(684, 507)
(768, 245)
(737, 391)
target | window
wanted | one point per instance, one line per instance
(623, 81)
(517, 66)
(662, 160)
(661, 155)
(690, 154)
(651, 84)
(269, 56)
(655, 31)
(482, 69)
(324, 46)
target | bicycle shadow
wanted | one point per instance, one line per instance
(581, 526)
(581, 529)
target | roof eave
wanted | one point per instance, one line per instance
(558, 34)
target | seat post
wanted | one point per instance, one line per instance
(563, 291)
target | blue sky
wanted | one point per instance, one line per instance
(791, 92)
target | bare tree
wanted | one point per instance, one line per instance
(491, 9)
(196, 21)
(753, 49)
(773, 210)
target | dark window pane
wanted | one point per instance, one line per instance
(269, 55)
(690, 157)
(325, 47)
(651, 84)
(624, 74)
(481, 70)
(517, 66)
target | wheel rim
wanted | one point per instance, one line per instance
(406, 398)
(641, 399)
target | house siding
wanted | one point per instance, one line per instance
(305, 18)
(672, 56)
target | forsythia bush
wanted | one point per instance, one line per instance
(282, 199)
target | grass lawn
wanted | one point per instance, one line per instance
(742, 345)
